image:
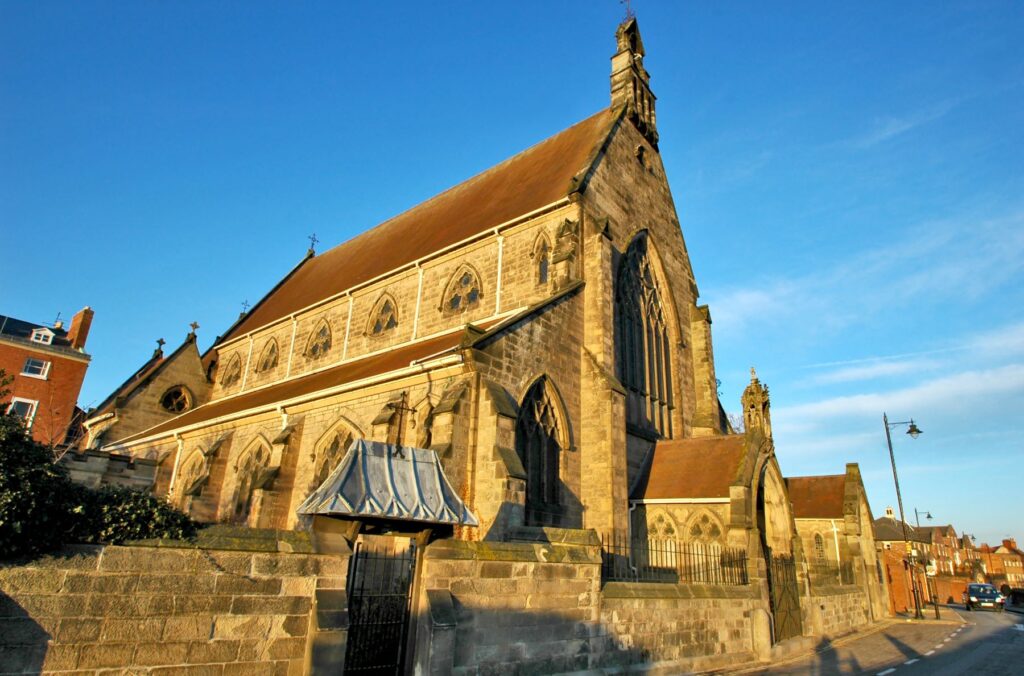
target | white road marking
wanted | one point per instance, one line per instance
(929, 653)
(887, 671)
(909, 662)
(945, 640)
(938, 646)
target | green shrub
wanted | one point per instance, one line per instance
(116, 514)
(42, 509)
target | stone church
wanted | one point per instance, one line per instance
(522, 357)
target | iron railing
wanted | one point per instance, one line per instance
(627, 559)
(830, 572)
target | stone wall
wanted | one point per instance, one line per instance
(838, 610)
(537, 606)
(694, 626)
(223, 607)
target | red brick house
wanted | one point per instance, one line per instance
(47, 364)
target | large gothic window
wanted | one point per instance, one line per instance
(539, 445)
(642, 344)
(252, 472)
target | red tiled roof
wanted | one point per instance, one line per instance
(817, 497)
(358, 369)
(703, 467)
(528, 181)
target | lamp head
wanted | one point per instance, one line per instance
(914, 431)
(928, 515)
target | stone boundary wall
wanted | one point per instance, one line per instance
(694, 626)
(538, 607)
(232, 605)
(838, 610)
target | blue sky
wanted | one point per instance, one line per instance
(849, 178)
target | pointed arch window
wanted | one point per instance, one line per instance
(320, 341)
(819, 548)
(252, 472)
(384, 317)
(233, 372)
(704, 528)
(327, 456)
(642, 345)
(539, 445)
(463, 291)
(542, 259)
(268, 357)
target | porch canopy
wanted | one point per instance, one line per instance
(384, 481)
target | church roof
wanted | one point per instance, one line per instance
(817, 497)
(350, 371)
(702, 467)
(384, 481)
(534, 178)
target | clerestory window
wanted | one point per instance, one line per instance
(384, 317)
(268, 358)
(320, 342)
(233, 372)
(463, 292)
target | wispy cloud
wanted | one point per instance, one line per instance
(887, 128)
(875, 369)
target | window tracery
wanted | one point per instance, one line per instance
(251, 472)
(539, 445)
(268, 358)
(384, 317)
(642, 343)
(704, 528)
(320, 341)
(233, 372)
(176, 399)
(662, 527)
(328, 455)
(463, 291)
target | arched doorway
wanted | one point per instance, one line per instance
(774, 528)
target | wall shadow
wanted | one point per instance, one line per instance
(23, 643)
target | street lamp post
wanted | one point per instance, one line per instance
(927, 512)
(913, 431)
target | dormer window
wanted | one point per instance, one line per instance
(44, 336)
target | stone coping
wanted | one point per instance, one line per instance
(660, 590)
(238, 538)
(563, 536)
(513, 551)
(836, 590)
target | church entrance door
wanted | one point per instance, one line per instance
(380, 583)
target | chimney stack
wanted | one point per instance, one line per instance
(79, 330)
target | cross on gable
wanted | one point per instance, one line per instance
(245, 306)
(194, 325)
(160, 342)
(312, 241)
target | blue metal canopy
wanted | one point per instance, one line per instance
(384, 481)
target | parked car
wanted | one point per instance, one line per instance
(979, 596)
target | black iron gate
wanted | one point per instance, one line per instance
(785, 597)
(379, 597)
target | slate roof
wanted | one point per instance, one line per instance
(703, 467)
(389, 482)
(534, 178)
(891, 530)
(22, 330)
(817, 497)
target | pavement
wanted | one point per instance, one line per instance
(979, 643)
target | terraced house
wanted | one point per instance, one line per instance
(510, 391)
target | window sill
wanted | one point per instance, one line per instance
(36, 376)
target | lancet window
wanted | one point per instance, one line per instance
(328, 455)
(819, 548)
(463, 291)
(252, 473)
(320, 342)
(542, 259)
(539, 445)
(233, 372)
(642, 343)
(384, 316)
(268, 358)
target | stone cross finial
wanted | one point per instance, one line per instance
(194, 325)
(753, 374)
(160, 342)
